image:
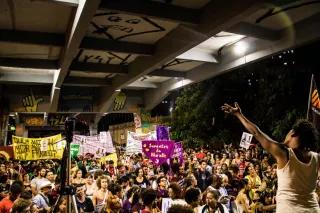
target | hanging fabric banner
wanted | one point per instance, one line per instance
(38, 148)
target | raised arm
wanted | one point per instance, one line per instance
(271, 146)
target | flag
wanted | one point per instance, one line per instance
(314, 104)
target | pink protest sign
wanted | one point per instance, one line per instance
(158, 151)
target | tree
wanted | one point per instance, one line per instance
(270, 92)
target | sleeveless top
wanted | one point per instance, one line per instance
(297, 185)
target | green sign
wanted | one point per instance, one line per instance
(74, 150)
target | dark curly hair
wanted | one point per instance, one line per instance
(307, 133)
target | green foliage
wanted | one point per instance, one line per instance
(270, 95)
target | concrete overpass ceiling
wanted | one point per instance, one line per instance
(149, 47)
(186, 3)
(40, 16)
(123, 27)
(279, 17)
(16, 50)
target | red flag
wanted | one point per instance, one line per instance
(314, 104)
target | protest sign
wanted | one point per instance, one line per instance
(38, 148)
(98, 145)
(162, 133)
(133, 144)
(107, 158)
(134, 141)
(246, 140)
(74, 150)
(158, 151)
(178, 152)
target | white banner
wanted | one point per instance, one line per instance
(98, 145)
(246, 140)
(134, 141)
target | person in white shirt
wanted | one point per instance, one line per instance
(297, 163)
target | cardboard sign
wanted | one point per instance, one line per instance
(158, 151)
(246, 140)
(37, 148)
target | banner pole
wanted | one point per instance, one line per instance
(309, 99)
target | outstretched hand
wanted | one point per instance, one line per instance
(226, 108)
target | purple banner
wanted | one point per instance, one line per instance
(158, 151)
(163, 133)
(178, 152)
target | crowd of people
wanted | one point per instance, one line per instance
(228, 180)
(273, 177)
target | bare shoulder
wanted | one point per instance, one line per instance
(283, 158)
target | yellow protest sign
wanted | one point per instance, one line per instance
(38, 148)
(112, 156)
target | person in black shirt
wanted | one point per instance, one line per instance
(203, 176)
(84, 204)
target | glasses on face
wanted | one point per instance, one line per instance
(163, 180)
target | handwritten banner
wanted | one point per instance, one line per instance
(38, 148)
(134, 141)
(158, 151)
(98, 145)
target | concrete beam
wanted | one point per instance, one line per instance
(153, 9)
(217, 16)
(255, 31)
(304, 33)
(24, 78)
(167, 73)
(141, 85)
(96, 67)
(84, 13)
(86, 82)
(29, 63)
(117, 46)
(55, 39)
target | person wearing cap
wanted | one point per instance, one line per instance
(41, 199)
